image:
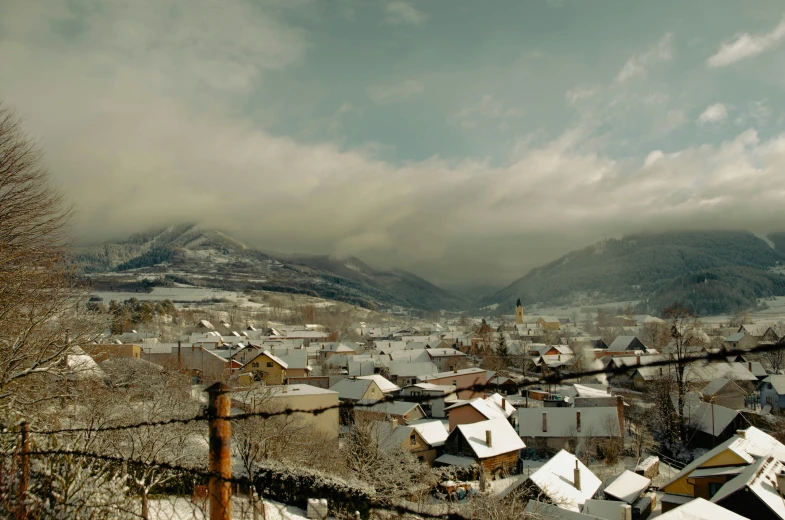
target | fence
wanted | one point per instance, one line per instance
(219, 418)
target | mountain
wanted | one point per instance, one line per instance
(190, 255)
(713, 271)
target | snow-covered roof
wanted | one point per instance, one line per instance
(406, 369)
(715, 385)
(275, 359)
(563, 422)
(699, 414)
(627, 486)
(410, 356)
(753, 445)
(453, 373)
(352, 388)
(393, 408)
(588, 391)
(489, 407)
(700, 509)
(621, 342)
(504, 439)
(382, 382)
(736, 336)
(556, 479)
(759, 478)
(777, 382)
(444, 352)
(539, 509)
(455, 460)
(433, 432)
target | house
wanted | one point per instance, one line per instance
(724, 392)
(622, 343)
(772, 394)
(698, 375)
(201, 362)
(762, 332)
(493, 445)
(354, 389)
(296, 397)
(265, 367)
(705, 476)
(404, 373)
(384, 384)
(755, 492)
(401, 412)
(296, 361)
(467, 381)
(710, 423)
(564, 481)
(329, 349)
(700, 509)
(548, 323)
(424, 439)
(740, 341)
(561, 428)
(478, 409)
(439, 397)
(103, 352)
(447, 358)
(503, 384)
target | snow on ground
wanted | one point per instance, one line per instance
(182, 508)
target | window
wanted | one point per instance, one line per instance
(455, 383)
(769, 399)
(255, 365)
(413, 440)
(714, 487)
(269, 364)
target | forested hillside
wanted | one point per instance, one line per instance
(206, 258)
(719, 271)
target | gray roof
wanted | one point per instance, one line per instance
(353, 389)
(394, 408)
(738, 336)
(562, 422)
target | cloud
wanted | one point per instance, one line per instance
(402, 13)
(142, 139)
(715, 113)
(384, 94)
(746, 45)
(638, 64)
(488, 108)
(580, 93)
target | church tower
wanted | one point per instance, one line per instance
(518, 313)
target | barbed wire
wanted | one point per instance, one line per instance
(556, 376)
(241, 481)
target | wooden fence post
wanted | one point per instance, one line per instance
(24, 477)
(220, 488)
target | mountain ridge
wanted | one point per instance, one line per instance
(212, 258)
(657, 269)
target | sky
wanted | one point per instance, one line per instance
(464, 141)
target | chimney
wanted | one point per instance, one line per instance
(742, 433)
(608, 389)
(578, 421)
(489, 438)
(625, 512)
(577, 476)
(749, 366)
(284, 389)
(455, 370)
(544, 421)
(504, 404)
(637, 360)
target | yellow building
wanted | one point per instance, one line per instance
(101, 353)
(704, 476)
(266, 368)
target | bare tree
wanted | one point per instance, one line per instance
(41, 304)
(683, 324)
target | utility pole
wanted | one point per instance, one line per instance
(220, 489)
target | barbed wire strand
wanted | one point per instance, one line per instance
(244, 480)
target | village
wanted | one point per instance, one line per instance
(544, 417)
